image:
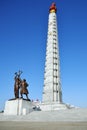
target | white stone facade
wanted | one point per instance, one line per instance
(52, 85)
(53, 106)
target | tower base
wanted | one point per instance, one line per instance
(18, 107)
(53, 106)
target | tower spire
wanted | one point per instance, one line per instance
(52, 92)
(52, 86)
(53, 8)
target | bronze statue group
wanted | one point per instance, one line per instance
(20, 86)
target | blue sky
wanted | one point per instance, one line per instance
(23, 33)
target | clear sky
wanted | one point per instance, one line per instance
(23, 33)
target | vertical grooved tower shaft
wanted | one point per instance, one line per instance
(52, 86)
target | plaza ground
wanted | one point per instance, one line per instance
(69, 119)
(14, 125)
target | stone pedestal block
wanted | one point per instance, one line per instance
(52, 106)
(18, 107)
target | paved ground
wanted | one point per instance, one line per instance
(70, 119)
(41, 116)
(43, 125)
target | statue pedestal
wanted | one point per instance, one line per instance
(18, 107)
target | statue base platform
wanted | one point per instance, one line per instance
(53, 106)
(18, 106)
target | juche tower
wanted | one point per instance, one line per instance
(52, 85)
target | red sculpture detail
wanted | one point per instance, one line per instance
(53, 7)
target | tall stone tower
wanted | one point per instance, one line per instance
(52, 85)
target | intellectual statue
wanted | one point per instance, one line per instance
(23, 88)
